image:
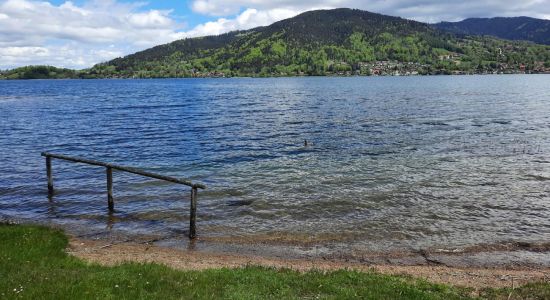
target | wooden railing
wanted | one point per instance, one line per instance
(109, 169)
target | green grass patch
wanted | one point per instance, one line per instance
(34, 265)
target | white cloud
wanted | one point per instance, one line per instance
(10, 52)
(69, 55)
(75, 36)
(154, 18)
(250, 18)
(97, 22)
(421, 10)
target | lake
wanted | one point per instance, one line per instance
(391, 162)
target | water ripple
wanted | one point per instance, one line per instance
(390, 162)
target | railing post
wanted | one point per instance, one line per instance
(49, 174)
(110, 201)
(193, 214)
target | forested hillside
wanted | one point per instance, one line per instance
(39, 72)
(330, 42)
(517, 28)
(325, 42)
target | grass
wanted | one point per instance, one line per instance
(34, 265)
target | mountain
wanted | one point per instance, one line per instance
(516, 28)
(330, 42)
(303, 44)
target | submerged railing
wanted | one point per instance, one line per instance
(109, 169)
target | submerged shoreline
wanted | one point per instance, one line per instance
(95, 245)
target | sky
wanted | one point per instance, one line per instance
(80, 33)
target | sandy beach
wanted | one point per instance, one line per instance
(106, 252)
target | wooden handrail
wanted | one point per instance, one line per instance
(125, 169)
(109, 170)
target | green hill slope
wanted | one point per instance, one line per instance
(515, 28)
(325, 42)
(39, 72)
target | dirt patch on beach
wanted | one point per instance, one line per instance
(108, 253)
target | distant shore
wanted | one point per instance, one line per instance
(293, 76)
(377, 68)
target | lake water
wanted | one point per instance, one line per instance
(391, 162)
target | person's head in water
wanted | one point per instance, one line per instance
(305, 143)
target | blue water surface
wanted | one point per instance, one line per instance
(391, 162)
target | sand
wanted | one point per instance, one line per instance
(108, 253)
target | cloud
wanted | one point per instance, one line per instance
(76, 36)
(421, 10)
(249, 18)
(68, 55)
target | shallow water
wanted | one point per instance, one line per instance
(391, 163)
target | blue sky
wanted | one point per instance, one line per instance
(180, 9)
(80, 33)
